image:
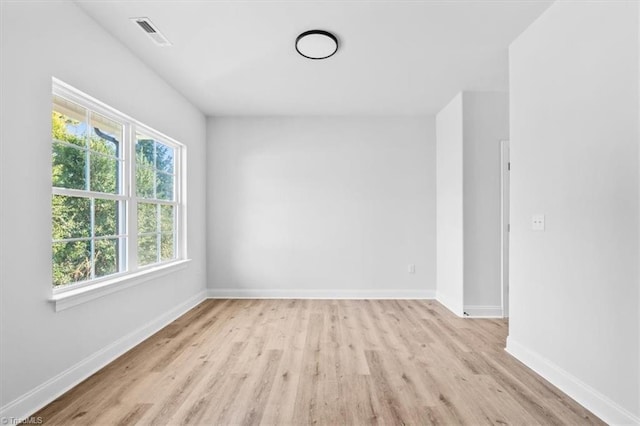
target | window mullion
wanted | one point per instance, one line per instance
(158, 234)
(155, 170)
(87, 180)
(132, 205)
(87, 155)
(180, 223)
(123, 206)
(92, 222)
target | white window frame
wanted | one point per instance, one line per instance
(67, 295)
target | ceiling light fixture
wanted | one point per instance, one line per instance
(316, 44)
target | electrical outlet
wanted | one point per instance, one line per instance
(537, 222)
(412, 268)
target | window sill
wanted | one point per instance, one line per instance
(71, 298)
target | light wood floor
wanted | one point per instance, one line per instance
(318, 362)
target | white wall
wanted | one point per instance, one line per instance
(328, 207)
(41, 40)
(450, 237)
(486, 123)
(574, 143)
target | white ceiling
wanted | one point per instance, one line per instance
(395, 57)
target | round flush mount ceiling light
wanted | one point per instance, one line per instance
(316, 44)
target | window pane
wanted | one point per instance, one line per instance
(164, 185)
(145, 182)
(166, 218)
(105, 135)
(71, 262)
(164, 158)
(147, 218)
(145, 152)
(68, 122)
(104, 174)
(105, 217)
(106, 257)
(167, 251)
(147, 249)
(68, 167)
(71, 217)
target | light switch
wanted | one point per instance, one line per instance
(412, 268)
(537, 222)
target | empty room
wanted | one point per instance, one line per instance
(328, 212)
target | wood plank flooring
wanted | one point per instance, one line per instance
(318, 362)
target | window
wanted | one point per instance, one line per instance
(116, 207)
(156, 203)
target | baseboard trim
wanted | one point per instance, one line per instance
(43, 394)
(600, 405)
(480, 311)
(245, 293)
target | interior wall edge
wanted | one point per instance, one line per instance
(454, 306)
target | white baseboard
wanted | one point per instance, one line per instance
(480, 311)
(448, 303)
(585, 395)
(246, 293)
(43, 394)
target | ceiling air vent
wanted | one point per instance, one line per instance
(152, 31)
